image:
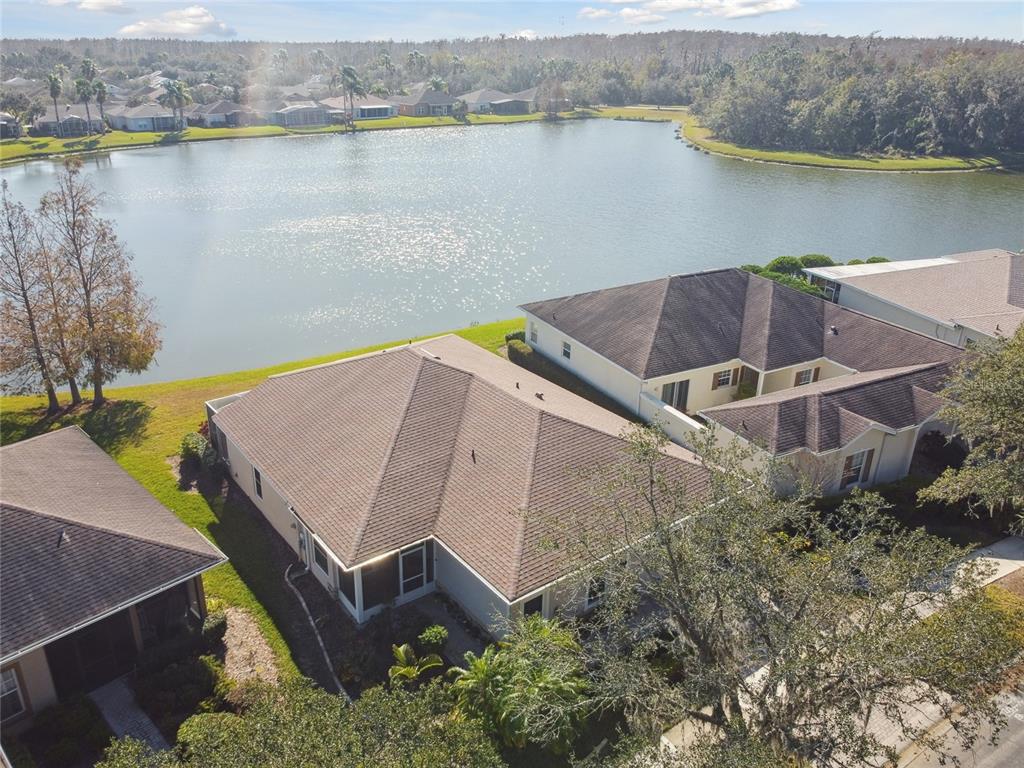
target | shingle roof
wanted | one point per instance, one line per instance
(439, 438)
(683, 322)
(423, 94)
(222, 107)
(484, 95)
(829, 414)
(983, 290)
(118, 544)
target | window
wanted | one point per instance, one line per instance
(668, 393)
(413, 568)
(533, 332)
(804, 377)
(856, 468)
(566, 350)
(257, 482)
(320, 558)
(723, 378)
(676, 393)
(534, 605)
(11, 702)
(595, 591)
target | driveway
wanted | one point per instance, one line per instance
(1007, 753)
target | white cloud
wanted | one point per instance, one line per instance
(527, 34)
(726, 9)
(594, 13)
(194, 21)
(639, 16)
(104, 6)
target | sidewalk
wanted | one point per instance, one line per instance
(124, 716)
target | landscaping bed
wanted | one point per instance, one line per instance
(66, 735)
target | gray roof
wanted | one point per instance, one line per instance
(484, 95)
(68, 111)
(982, 290)
(142, 110)
(439, 438)
(683, 322)
(829, 414)
(222, 107)
(422, 94)
(530, 94)
(81, 539)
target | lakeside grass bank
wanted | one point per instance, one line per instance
(702, 138)
(142, 427)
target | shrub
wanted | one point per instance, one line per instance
(519, 352)
(432, 639)
(753, 268)
(517, 335)
(214, 627)
(816, 260)
(246, 694)
(791, 281)
(853, 262)
(193, 446)
(62, 752)
(209, 732)
(179, 690)
(18, 753)
(878, 260)
(174, 648)
(786, 265)
(68, 731)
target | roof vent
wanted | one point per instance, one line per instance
(540, 395)
(472, 454)
(63, 538)
(517, 385)
(834, 330)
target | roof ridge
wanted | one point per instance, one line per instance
(451, 454)
(112, 531)
(48, 434)
(364, 523)
(520, 543)
(657, 326)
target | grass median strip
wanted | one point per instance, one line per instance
(142, 427)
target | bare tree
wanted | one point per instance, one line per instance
(120, 334)
(23, 359)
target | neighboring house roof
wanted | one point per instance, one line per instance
(679, 323)
(530, 94)
(7, 117)
(81, 539)
(300, 107)
(341, 102)
(422, 94)
(222, 107)
(142, 110)
(68, 111)
(829, 414)
(484, 95)
(439, 438)
(988, 295)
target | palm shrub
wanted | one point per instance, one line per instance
(408, 667)
(432, 639)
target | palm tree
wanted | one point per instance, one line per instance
(56, 86)
(280, 60)
(99, 89)
(353, 87)
(407, 667)
(318, 59)
(437, 84)
(83, 92)
(379, 89)
(478, 686)
(88, 70)
(176, 97)
(386, 63)
(415, 61)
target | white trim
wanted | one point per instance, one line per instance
(401, 568)
(326, 572)
(17, 690)
(116, 609)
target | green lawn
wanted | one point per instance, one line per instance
(142, 427)
(702, 137)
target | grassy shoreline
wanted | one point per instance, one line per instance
(28, 148)
(699, 136)
(142, 428)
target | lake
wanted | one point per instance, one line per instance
(263, 251)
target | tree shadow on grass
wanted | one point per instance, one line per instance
(114, 425)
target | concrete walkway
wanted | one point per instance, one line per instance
(459, 640)
(124, 716)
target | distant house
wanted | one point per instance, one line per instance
(423, 102)
(480, 100)
(220, 114)
(436, 466)
(367, 107)
(295, 114)
(145, 117)
(93, 570)
(960, 298)
(69, 120)
(529, 96)
(510, 106)
(841, 396)
(10, 126)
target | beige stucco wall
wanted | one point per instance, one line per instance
(701, 394)
(598, 371)
(36, 687)
(785, 378)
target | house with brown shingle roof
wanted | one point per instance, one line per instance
(432, 466)
(960, 298)
(689, 351)
(93, 570)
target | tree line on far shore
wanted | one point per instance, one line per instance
(73, 310)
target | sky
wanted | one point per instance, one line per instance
(322, 20)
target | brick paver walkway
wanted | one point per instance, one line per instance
(124, 716)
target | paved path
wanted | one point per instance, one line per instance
(459, 640)
(124, 716)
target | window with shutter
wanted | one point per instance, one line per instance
(857, 468)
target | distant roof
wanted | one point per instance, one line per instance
(683, 322)
(530, 94)
(982, 290)
(142, 110)
(484, 95)
(7, 117)
(341, 102)
(67, 111)
(829, 414)
(222, 107)
(422, 94)
(439, 438)
(81, 538)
